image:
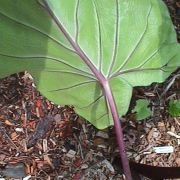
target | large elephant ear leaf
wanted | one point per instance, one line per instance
(131, 43)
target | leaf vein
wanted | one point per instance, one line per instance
(93, 102)
(69, 72)
(77, 23)
(137, 44)
(51, 58)
(71, 87)
(100, 38)
(37, 30)
(114, 54)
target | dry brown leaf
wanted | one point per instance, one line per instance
(161, 126)
(178, 161)
(150, 135)
(7, 122)
(48, 160)
(45, 146)
(14, 136)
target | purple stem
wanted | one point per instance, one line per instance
(76, 47)
(118, 130)
(108, 93)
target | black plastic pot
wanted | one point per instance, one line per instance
(152, 172)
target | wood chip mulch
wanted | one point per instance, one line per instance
(51, 141)
(157, 131)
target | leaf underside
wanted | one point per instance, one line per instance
(132, 43)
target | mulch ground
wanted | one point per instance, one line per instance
(40, 140)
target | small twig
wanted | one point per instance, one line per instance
(81, 153)
(2, 129)
(173, 134)
(146, 149)
(79, 146)
(170, 84)
(25, 119)
(42, 171)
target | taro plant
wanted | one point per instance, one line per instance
(174, 108)
(142, 110)
(89, 53)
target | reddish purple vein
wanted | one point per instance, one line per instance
(78, 50)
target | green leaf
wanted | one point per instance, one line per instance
(142, 110)
(174, 108)
(131, 43)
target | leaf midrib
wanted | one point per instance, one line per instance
(100, 77)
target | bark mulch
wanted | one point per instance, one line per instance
(40, 140)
